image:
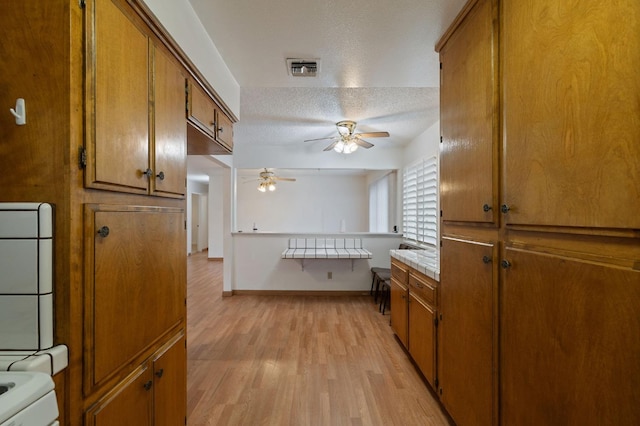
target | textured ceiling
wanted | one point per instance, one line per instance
(377, 65)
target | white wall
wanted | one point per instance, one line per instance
(313, 203)
(425, 145)
(258, 264)
(217, 192)
(180, 20)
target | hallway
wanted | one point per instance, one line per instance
(295, 360)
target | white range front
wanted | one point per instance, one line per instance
(27, 399)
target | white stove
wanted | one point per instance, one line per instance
(27, 399)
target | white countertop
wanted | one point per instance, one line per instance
(426, 261)
(317, 234)
(50, 361)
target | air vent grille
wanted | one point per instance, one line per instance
(303, 67)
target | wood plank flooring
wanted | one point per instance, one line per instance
(296, 360)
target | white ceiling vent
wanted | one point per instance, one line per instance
(303, 67)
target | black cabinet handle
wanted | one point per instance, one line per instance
(104, 231)
(160, 372)
(505, 264)
(148, 385)
(486, 259)
(221, 129)
(160, 175)
(486, 207)
(148, 173)
(505, 208)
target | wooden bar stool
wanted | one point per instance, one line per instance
(378, 276)
(385, 295)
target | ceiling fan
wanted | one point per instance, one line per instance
(347, 141)
(268, 180)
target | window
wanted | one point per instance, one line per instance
(381, 208)
(420, 202)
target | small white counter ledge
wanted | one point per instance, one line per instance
(258, 264)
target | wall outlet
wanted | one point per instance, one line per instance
(329, 275)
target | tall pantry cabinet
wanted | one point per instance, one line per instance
(105, 142)
(540, 187)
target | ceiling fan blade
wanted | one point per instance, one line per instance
(330, 147)
(321, 139)
(373, 135)
(285, 179)
(362, 143)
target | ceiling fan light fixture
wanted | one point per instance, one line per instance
(345, 146)
(346, 127)
(262, 187)
(272, 186)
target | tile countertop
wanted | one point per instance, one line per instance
(426, 261)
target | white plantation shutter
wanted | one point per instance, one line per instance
(420, 202)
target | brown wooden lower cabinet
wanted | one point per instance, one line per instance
(153, 394)
(467, 332)
(128, 404)
(170, 382)
(413, 316)
(399, 314)
(145, 297)
(570, 339)
(422, 336)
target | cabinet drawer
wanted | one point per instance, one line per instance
(399, 271)
(423, 289)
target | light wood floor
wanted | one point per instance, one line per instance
(296, 360)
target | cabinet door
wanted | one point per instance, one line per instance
(117, 100)
(170, 384)
(571, 113)
(170, 136)
(129, 404)
(467, 332)
(224, 131)
(468, 113)
(570, 341)
(202, 110)
(136, 283)
(422, 337)
(399, 310)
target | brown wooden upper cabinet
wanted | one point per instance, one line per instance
(469, 117)
(170, 131)
(571, 114)
(130, 81)
(204, 114)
